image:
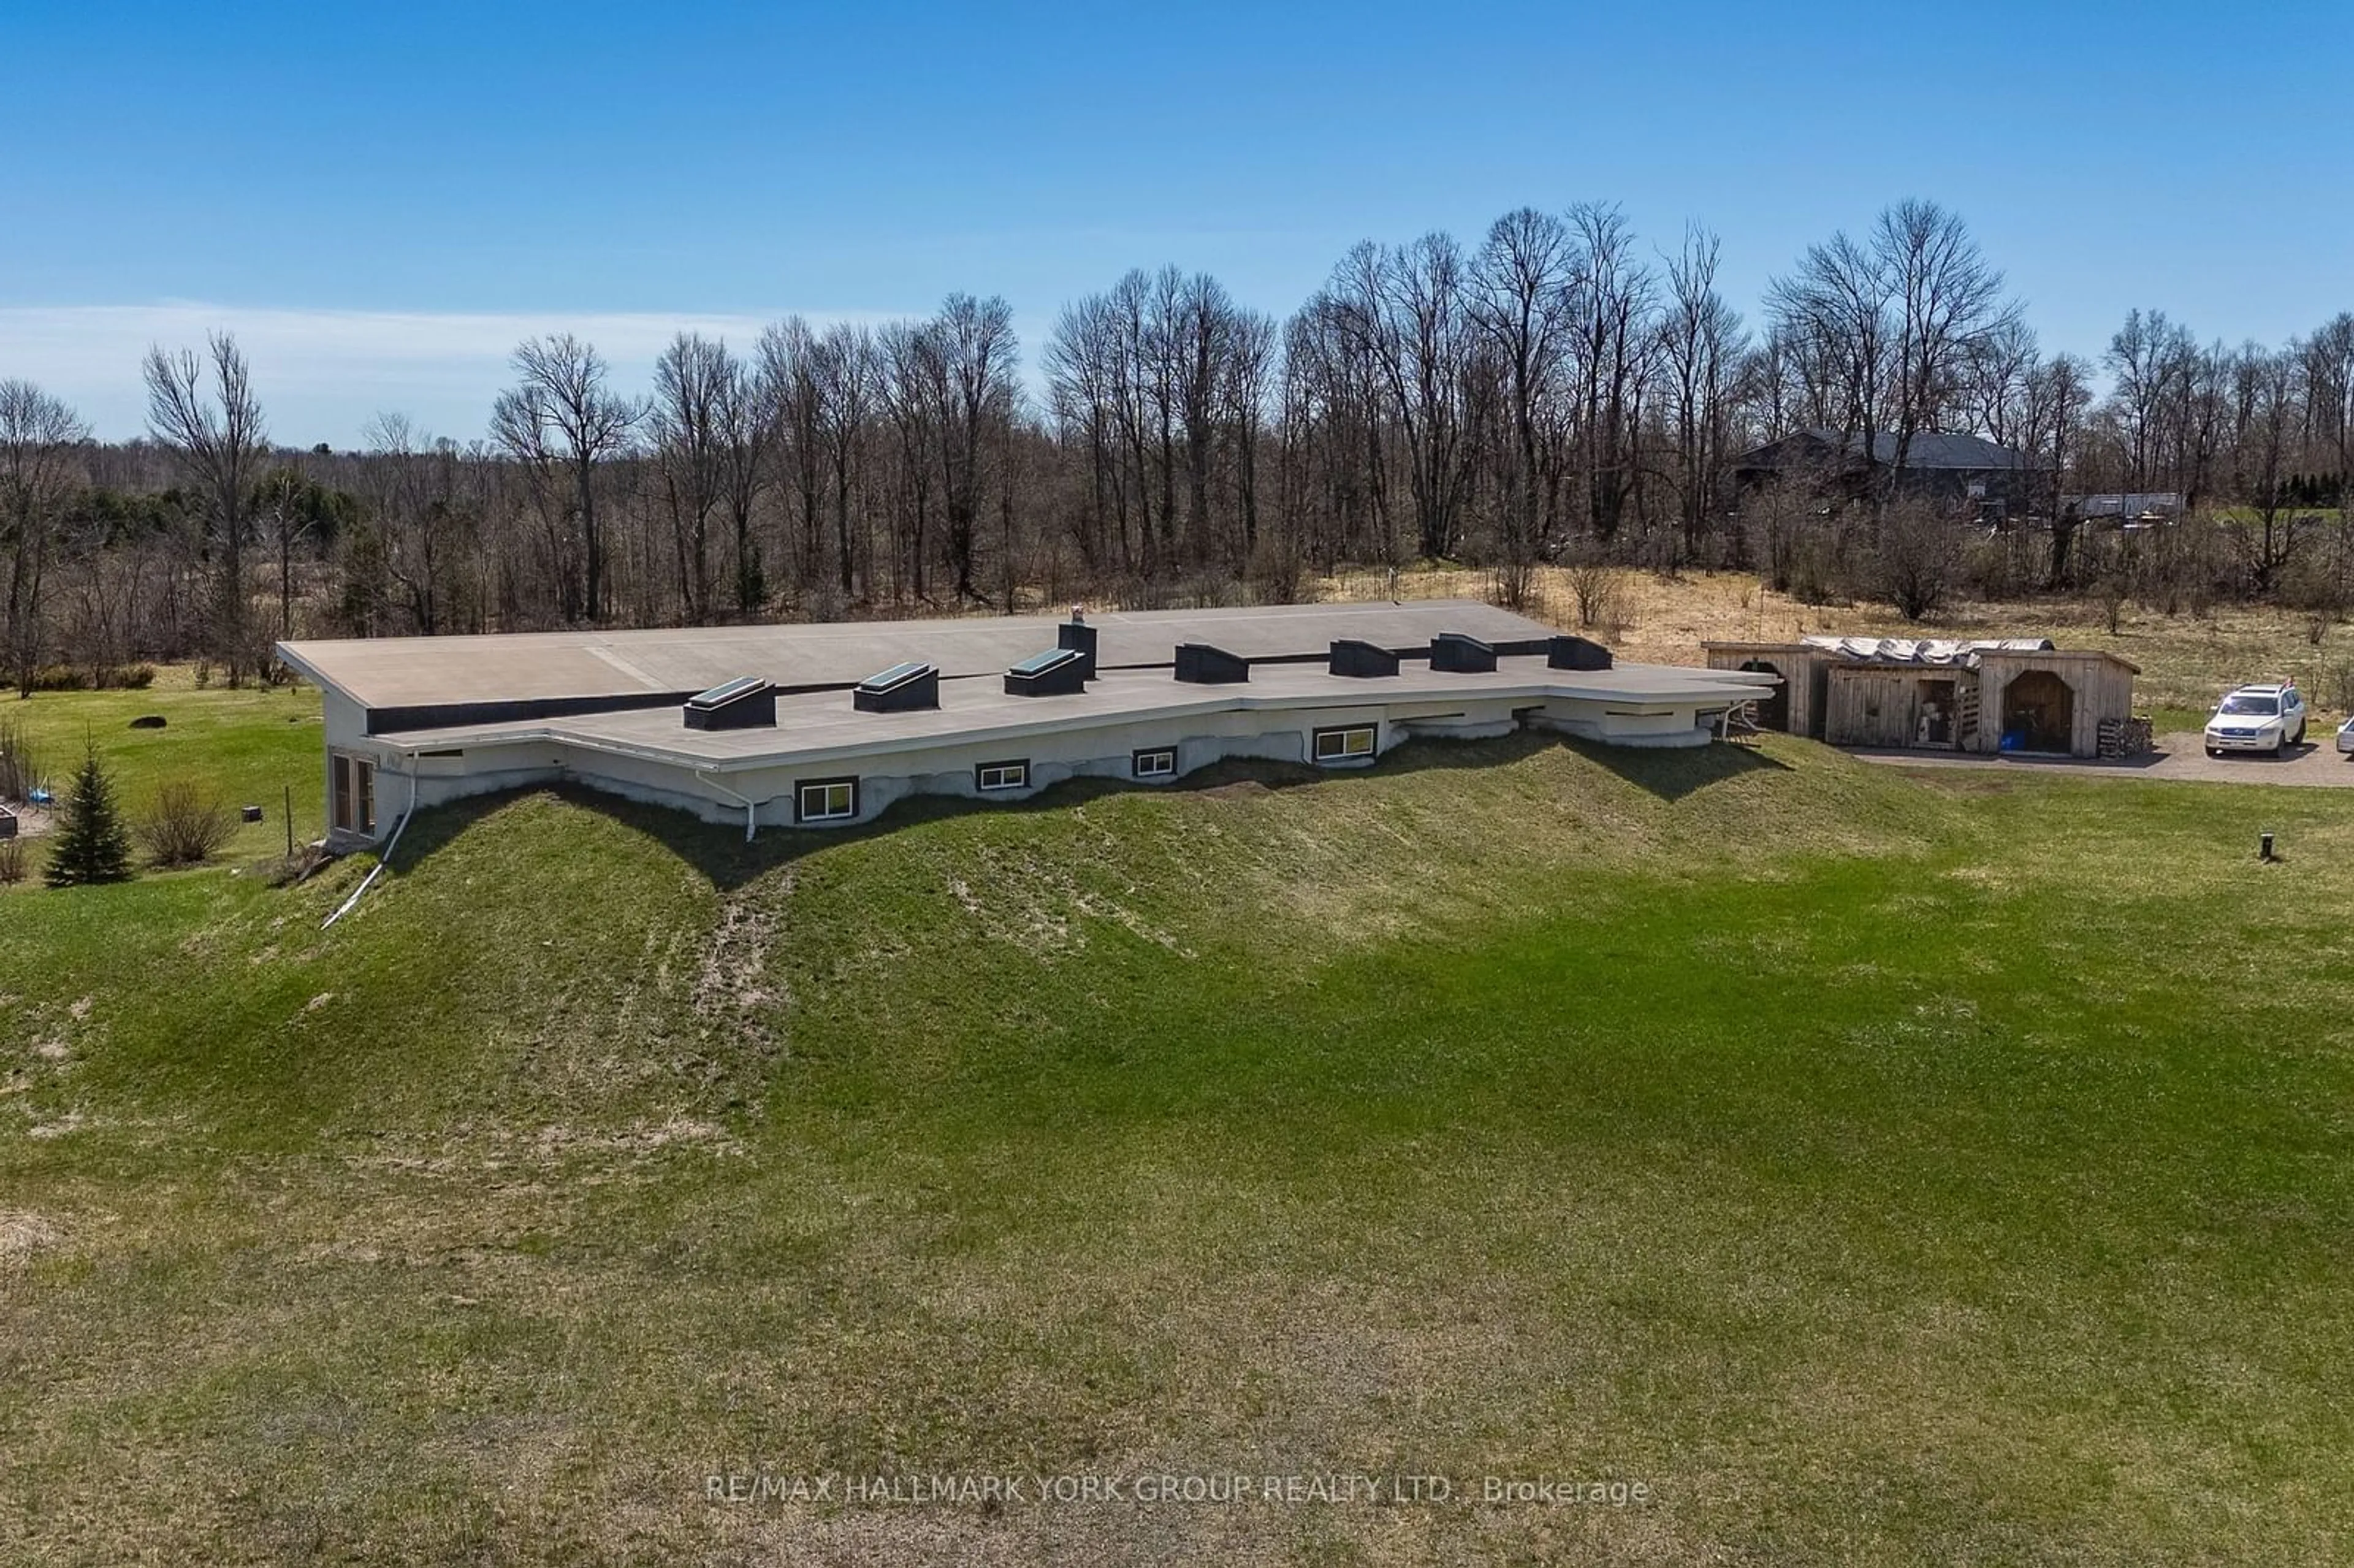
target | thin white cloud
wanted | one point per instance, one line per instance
(324, 375)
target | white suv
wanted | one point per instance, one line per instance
(2257, 718)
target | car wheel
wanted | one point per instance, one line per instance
(2300, 732)
(2280, 745)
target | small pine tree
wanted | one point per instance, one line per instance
(92, 844)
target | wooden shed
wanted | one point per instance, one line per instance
(2017, 694)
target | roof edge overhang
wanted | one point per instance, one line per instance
(1701, 692)
(285, 654)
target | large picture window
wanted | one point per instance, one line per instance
(1001, 776)
(825, 800)
(354, 782)
(1351, 744)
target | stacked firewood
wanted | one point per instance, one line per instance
(2127, 737)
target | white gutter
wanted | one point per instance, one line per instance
(1707, 691)
(385, 858)
(750, 822)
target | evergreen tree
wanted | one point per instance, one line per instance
(92, 844)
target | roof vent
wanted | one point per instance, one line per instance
(746, 703)
(1056, 672)
(1201, 664)
(1350, 657)
(1080, 638)
(1577, 653)
(902, 688)
(1458, 654)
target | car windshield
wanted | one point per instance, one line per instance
(2251, 704)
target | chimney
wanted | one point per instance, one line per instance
(1077, 634)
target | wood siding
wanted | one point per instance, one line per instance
(2103, 688)
(1885, 706)
(1804, 678)
(1854, 703)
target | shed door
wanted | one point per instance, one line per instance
(2039, 714)
(1936, 724)
(1774, 712)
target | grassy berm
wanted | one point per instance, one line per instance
(1876, 1169)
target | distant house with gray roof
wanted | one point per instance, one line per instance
(1968, 475)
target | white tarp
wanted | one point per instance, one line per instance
(1924, 650)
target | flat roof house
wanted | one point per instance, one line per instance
(826, 724)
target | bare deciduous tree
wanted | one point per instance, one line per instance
(220, 443)
(39, 442)
(1521, 285)
(973, 393)
(687, 418)
(562, 417)
(1702, 342)
(1948, 300)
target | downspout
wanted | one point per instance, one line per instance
(385, 858)
(750, 823)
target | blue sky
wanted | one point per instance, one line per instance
(380, 199)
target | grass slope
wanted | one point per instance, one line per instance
(1879, 1169)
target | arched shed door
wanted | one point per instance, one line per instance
(2039, 713)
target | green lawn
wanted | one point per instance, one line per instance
(248, 746)
(1876, 1169)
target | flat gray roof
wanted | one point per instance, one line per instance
(824, 728)
(428, 672)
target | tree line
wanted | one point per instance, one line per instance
(1557, 390)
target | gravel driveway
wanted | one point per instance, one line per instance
(2317, 763)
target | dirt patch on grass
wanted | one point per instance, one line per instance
(22, 1233)
(733, 985)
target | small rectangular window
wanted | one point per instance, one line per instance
(1001, 776)
(1348, 745)
(827, 800)
(1156, 763)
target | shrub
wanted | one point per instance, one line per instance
(1600, 592)
(91, 845)
(20, 761)
(2338, 685)
(12, 862)
(102, 677)
(2111, 592)
(185, 826)
(1917, 560)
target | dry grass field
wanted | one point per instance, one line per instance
(2186, 661)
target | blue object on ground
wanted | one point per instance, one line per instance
(38, 798)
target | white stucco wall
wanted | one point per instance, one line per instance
(1101, 751)
(1618, 724)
